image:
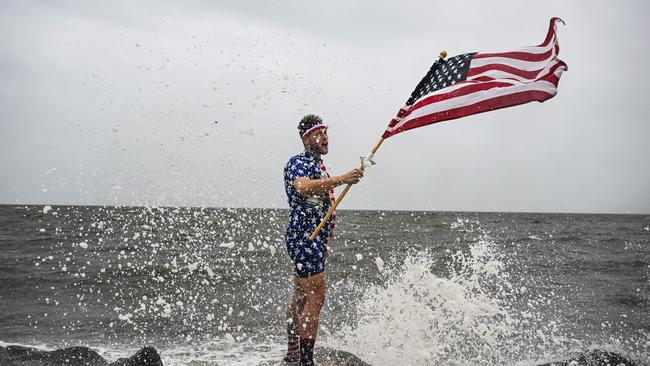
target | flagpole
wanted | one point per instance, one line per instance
(441, 56)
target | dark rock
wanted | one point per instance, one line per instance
(147, 356)
(73, 356)
(334, 357)
(595, 358)
(77, 356)
(5, 360)
(326, 357)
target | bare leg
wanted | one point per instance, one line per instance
(294, 309)
(313, 288)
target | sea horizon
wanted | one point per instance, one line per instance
(338, 209)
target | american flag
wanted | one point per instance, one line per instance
(479, 82)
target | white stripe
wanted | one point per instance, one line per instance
(498, 74)
(476, 97)
(519, 64)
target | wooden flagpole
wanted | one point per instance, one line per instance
(442, 55)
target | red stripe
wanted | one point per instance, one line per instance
(483, 78)
(524, 56)
(503, 101)
(531, 75)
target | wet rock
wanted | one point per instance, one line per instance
(5, 360)
(334, 357)
(147, 356)
(73, 356)
(595, 358)
(326, 357)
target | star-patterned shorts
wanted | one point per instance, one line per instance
(308, 256)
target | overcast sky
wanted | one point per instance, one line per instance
(196, 103)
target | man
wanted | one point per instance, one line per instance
(310, 192)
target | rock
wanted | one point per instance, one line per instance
(334, 357)
(73, 356)
(147, 356)
(594, 358)
(5, 360)
(326, 357)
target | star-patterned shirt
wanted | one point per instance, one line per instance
(305, 212)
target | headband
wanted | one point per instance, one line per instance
(313, 128)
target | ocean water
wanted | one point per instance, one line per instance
(209, 286)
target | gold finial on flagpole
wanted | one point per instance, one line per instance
(442, 54)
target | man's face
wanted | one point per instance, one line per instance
(316, 141)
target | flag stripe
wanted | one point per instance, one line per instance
(500, 75)
(523, 65)
(522, 54)
(473, 71)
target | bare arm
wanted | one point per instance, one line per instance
(315, 187)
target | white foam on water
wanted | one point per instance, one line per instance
(223, 352)
(216, 352)
(41, 346)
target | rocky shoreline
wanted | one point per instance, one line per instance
(73, 356)
(149, 356)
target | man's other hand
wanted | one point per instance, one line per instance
(353, 176)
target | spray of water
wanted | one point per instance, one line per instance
(462, 314)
